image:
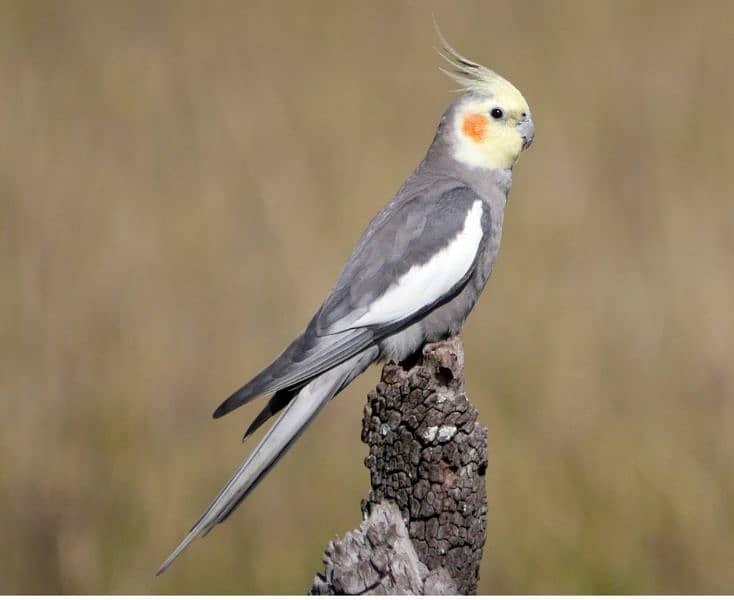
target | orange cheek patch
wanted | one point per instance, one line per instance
(474, 127)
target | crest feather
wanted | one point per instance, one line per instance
(471, 76)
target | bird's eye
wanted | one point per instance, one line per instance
(496, 113)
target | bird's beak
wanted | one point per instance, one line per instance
(526, 127)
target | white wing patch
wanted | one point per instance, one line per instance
(424, 284)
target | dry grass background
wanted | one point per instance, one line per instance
(179, 185)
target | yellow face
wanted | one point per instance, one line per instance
(490, 132)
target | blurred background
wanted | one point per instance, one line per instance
(180, 184)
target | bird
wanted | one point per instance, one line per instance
(413, 277)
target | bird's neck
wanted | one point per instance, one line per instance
(487, 182)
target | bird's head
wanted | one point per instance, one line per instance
(491, 123)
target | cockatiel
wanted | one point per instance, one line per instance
(412, 278)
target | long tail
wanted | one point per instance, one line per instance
(291, 423)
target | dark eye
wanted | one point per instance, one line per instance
(496, 113)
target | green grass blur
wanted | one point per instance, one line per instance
(179, 186)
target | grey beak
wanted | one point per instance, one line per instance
(526, 127)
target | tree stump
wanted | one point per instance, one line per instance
(427, 459)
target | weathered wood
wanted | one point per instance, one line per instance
(379, 559)
(427, 457)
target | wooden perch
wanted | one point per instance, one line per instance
(427, 459)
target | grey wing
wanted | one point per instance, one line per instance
(416, 231)
(306, 357)
(407, 233)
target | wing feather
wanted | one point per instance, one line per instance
(309, 355)
(417, 253)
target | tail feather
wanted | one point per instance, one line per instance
(291, 423)
(277, 402)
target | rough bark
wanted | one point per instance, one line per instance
(379, 559)
(427, 457)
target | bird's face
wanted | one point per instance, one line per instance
(490, 131)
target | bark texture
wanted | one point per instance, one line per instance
(427, 457)
(379, 559)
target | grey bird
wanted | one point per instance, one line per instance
(413, 277)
